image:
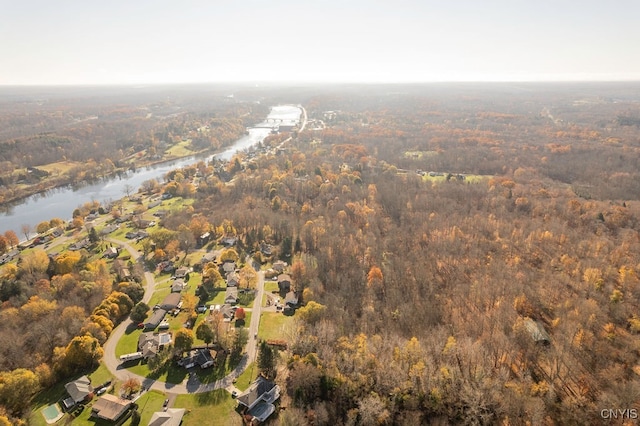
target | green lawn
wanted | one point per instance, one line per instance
(270, 286)
(247, 377)
(149, 403)
(209, 408)
(53, 394)
(273, 325)
(128, 343)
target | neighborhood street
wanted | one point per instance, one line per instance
(191, 384)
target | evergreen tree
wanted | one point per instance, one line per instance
(266, 360)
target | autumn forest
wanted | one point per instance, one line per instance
(463, 254)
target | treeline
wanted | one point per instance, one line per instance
(418, 296)
(55, 315)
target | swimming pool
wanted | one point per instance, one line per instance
(52, 413)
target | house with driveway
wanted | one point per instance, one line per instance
(257, 401)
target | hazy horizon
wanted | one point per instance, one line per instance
(256, 42)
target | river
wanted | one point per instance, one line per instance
(61, 202)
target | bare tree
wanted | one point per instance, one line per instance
(26, 230)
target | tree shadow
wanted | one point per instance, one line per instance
(133, 326)
(211, 398)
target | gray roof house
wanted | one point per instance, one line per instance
(228, 267)
(259, 398)
(233, 279)
(150, 343)
(155, 319)
(171, 301)
(231, 295)
(284, 283)
(177, 286)
(79, 389)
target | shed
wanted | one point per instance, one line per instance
(537, 331)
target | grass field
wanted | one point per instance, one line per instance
(209, 408)
(274, 325)
(181, 149)
(59, 167)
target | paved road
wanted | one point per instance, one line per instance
(252, 345)
(191, 384)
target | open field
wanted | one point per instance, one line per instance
(274, 325)
(214, 408)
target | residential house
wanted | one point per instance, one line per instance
(121, 270)
(257, 401)
(227, 312)
(150, 343)
(229, 267)
(171, 301)
(233, 279)
(155, 319)
(266, 249)
(79, 390)
(109, 229)
(201, 357)
(231, 296)
(203, 239)
(229, 241)
(182, 272)
(111, 253)
(177, 286)
(80, 245)
(161, 213)
(291, 299)
(110, 407)
(279, 266)
(284, 283)
(208, 257)
(171, 417)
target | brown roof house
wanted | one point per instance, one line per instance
(110, 407)
(171, 417)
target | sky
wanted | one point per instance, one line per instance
(64, 42)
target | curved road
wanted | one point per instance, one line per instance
(192, 384)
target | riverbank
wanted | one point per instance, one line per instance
(59, 200)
